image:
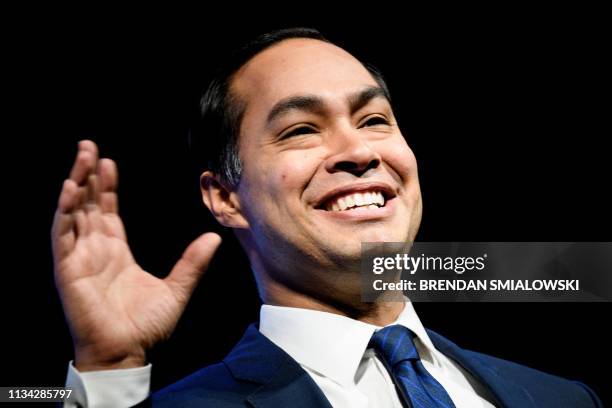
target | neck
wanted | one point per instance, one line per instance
(378, 314)
(339, 298)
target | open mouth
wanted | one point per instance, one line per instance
(363, 200)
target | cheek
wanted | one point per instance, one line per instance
(401, 160)
(283, 177)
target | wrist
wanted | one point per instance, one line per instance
(86, 361)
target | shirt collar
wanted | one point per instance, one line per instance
(330, 344)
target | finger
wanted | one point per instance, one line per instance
(89, 146)
(92, 192)
(69, 197)
(63, 228)
(85, 162)
(81, 222)
(69, 220)
(63, 237)
(95, 221)
(190, 268)
(114, 226)
(63, 221)
(82, 167)
(108, 181)
(108, 178)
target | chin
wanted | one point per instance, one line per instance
(351, 250)
(383, 235)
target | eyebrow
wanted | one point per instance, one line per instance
(307, 103)
(360, 99)
(315, 104)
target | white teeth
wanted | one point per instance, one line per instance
(366, 201)
(379, 199)
(350, 201)
(359, 199)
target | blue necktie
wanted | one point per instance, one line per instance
(396, 348)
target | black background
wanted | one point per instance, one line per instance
(505, 115)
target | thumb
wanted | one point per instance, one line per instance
(195, 260)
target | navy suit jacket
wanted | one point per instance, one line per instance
(259, 374)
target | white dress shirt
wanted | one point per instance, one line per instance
(331, 348)
(108, 388)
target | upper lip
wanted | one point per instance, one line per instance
(384, 188)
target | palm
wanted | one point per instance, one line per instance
(111, 290)
(114, 308)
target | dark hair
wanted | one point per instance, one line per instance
(213, 139)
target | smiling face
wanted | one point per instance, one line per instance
(325, 166)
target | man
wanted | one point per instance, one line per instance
(307, 162)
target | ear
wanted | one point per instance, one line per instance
(222, 201)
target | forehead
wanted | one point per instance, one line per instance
(299, 67)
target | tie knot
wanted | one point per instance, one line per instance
(395, 344)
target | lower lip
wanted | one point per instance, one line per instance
(363, 215)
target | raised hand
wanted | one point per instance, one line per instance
(115, 309)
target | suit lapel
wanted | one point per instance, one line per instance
(507, 393)
(283, 381)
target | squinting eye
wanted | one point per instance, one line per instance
(376, 120)
(302, 130)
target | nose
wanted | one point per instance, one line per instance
(352, 154)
